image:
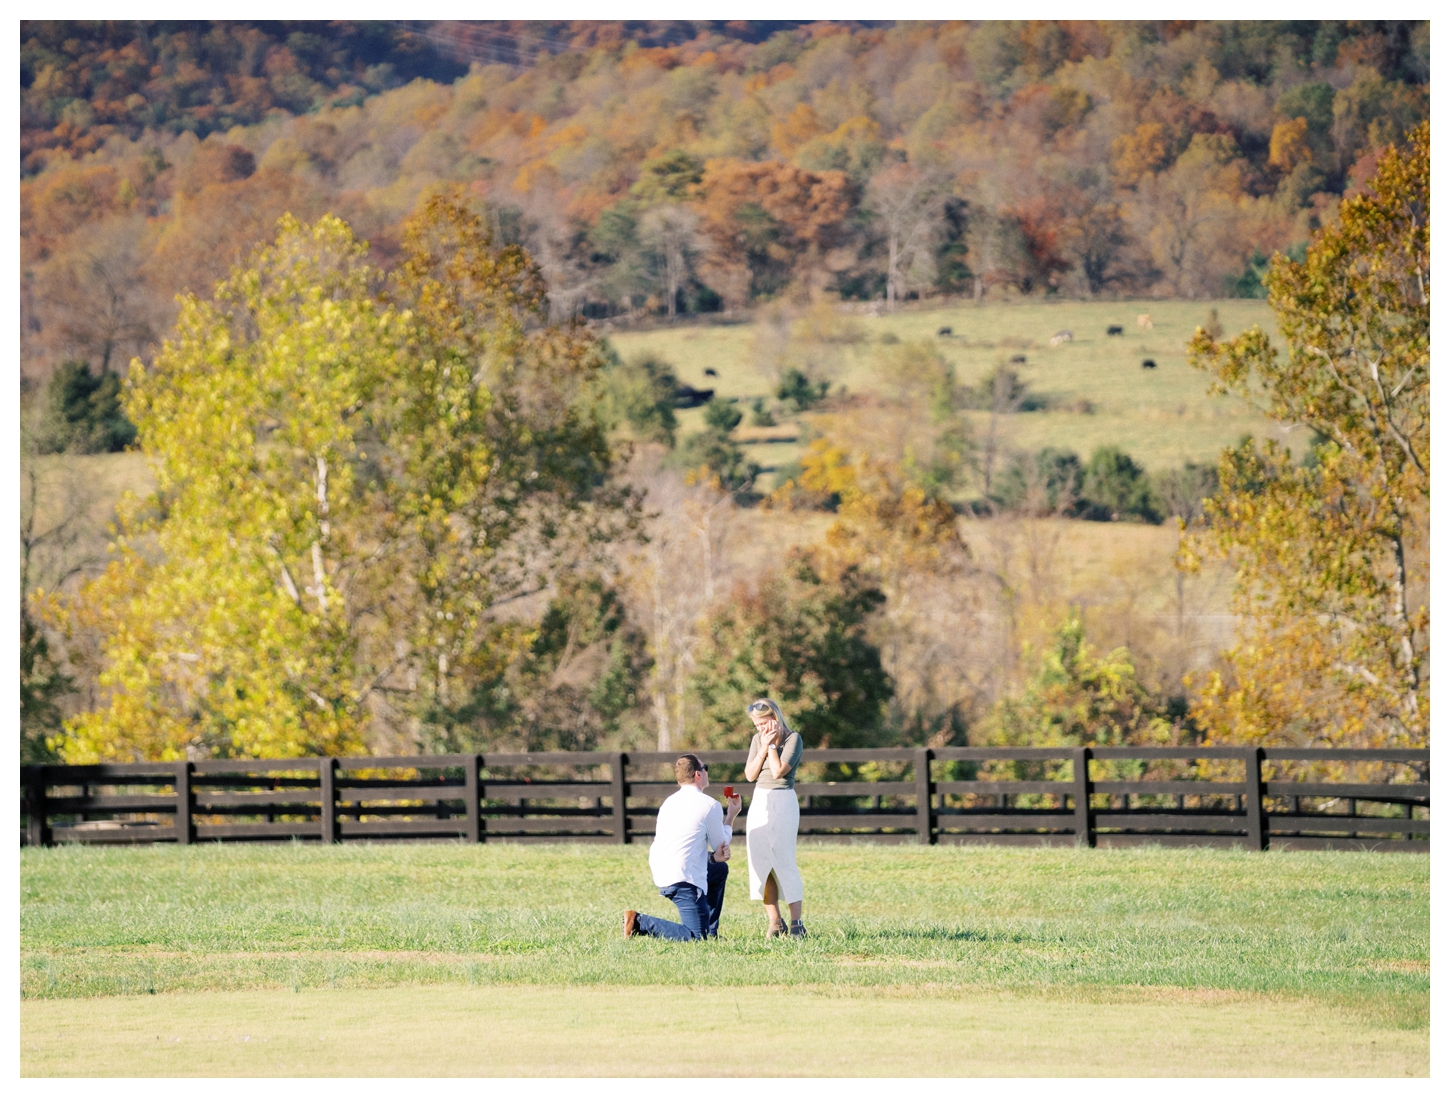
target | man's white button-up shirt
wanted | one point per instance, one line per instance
(690, 825)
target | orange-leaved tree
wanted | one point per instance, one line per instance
(1332, 552)
(771, 224)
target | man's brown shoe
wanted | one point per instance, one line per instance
(631, 923)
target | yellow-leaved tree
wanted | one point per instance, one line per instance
(885, 467)
(352, 471)
(1332, 552)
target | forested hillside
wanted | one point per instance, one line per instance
(668, 168)
(396, 490)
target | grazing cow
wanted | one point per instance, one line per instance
(687, 396)
(711, 372)
(1063, 336)
(943, 331)
(1144, 320)
(1115, 329)
(1149, 364)
(1015, 359)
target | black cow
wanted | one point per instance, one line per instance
(687, 396)
(943, 331)
(1017, 359)
(1149, 364)
(709, 372)
(1115, 329)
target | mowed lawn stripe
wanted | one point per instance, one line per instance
(690, 1031)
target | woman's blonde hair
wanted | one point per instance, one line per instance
(761, 704)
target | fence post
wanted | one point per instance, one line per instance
(1254, 798)
(1082, 817)
(37, 831)
(327, 783)
(183, 802)
(923, 796)
(471, 767)
(617, 795)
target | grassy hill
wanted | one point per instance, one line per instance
(1096, 388)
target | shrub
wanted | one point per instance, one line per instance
(1003, 390)
(1046, 483)
(722, 415)
(1114, 487)
(715, 453)
(798, 390)
(82, 413)
(639, 396)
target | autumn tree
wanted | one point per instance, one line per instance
(637, 397)
(1078, 697)
(1332, 551)
(770, 224)
(574, 681)
(916, 435)
(55, 505)
(673, 578)
(997, 250)
(1094, 235)
(712, 457)
(800, 636)
(1187, 214)
(348, 484)
(884, 470)
(211, 230)
(95, 301)
(671, 234)
(907, 204)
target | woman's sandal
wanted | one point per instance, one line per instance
(797, 929)
(776, 929)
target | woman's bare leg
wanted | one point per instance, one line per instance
(795, 911)
(772, 898)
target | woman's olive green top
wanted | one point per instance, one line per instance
(790, 754)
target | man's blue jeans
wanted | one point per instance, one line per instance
(699, 911)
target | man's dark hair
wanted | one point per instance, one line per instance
(687, 766)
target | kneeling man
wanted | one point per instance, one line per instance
(689, 826)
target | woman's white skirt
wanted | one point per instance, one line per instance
(770, 833)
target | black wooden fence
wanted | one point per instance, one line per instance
(1259, 798)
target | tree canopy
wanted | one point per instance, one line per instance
(659, 168)
(1332, 554)
(351, 473)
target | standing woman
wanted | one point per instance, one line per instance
(775, 815)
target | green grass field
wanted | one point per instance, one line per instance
(449, 959)
(1162, 417)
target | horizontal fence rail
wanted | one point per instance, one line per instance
(1254, 797)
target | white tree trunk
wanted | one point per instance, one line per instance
(319, 571)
